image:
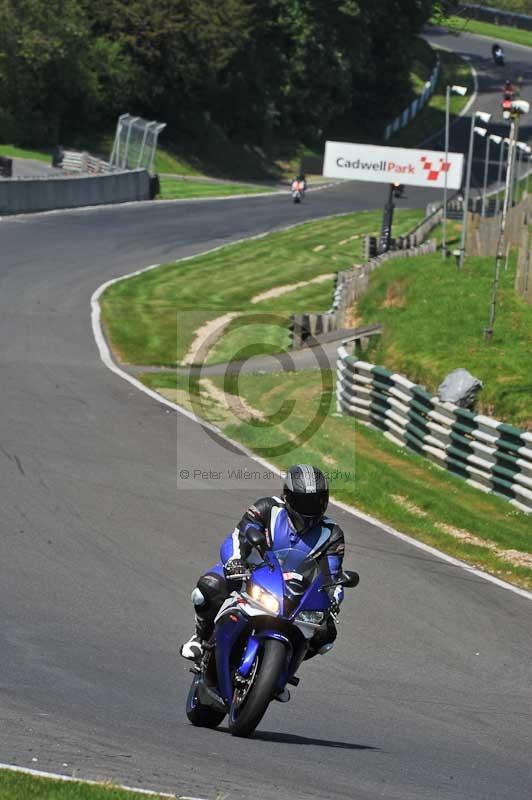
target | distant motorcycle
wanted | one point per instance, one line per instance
(497, 55)
(298, 191)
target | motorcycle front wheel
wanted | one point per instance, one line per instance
(200, 715)
(246, 712)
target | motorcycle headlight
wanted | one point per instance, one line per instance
(311, 617)
(265, 599)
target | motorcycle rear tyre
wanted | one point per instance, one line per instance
(242, 722)
(200, 715)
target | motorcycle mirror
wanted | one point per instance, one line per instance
(256, 539)
(350, 579)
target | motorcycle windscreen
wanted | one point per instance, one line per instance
(302, 579)
(296, 564)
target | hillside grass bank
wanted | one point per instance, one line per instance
(154, 318)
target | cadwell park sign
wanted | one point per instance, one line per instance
(364, 162)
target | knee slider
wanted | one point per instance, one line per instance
(197, 597)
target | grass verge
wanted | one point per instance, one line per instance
(434, 317)
(453, 70)
(11, 151)
(153, 318)
(365, 469)
(174, 189)
(20, 786)
(505, 33)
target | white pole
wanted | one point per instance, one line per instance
(514, 127)
(466, 195)
(499, 176)
(444, 218)
(485, 186)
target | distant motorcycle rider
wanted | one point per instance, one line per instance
(299, 183)
(497, 54)
(509, 91)
(295, 520)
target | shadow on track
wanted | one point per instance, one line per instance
(291, 738)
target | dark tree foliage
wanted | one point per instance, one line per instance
(248, 68)
(54, 74)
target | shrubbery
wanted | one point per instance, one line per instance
(250, 68)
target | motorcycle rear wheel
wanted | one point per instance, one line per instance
(200, 715)
(245, 716)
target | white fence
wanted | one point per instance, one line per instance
(73, 161)
(416, 105)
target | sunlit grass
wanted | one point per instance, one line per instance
(19, 786)
(365, 469)
(152, 318)
(173, 189)
(495, 32)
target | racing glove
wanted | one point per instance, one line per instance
(236, 570)
(334, 609)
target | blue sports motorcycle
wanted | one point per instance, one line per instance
(261, 635)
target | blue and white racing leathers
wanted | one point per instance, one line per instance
(324, 542)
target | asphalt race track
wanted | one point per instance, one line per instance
(428, 693)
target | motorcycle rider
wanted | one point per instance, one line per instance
(299, 183)
(297, 519)
(497, 53)
(509, 91)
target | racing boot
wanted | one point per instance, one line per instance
(193, 648)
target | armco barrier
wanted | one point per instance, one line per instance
(350, 284)
(416, 105)
(490, 455)
(20, 195)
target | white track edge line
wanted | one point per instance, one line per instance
(105, 356)
(473, 97)
(37, 773)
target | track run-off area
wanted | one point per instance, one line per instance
(428, 692)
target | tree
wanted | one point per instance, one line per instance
(53, 74)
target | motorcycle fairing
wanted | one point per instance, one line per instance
(314, 598)
(228, 628)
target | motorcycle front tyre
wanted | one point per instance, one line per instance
(200, 715)
(244, 719)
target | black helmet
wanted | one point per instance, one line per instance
(306, 495)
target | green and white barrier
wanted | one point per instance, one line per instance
(490, 455)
